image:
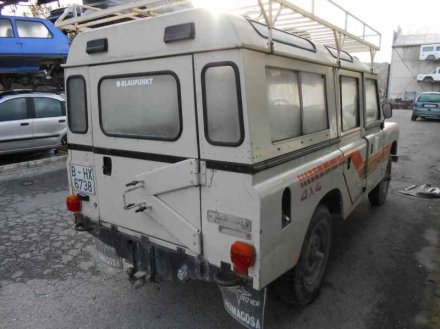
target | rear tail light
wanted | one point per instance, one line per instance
(73, 203)
(242, 256)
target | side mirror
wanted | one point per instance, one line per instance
(386, 109)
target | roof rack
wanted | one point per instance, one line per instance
(321, 21)
(87, 17)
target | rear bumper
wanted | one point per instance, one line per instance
(427, 113)
(159, 262)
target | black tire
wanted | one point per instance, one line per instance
(63, 146)
(378, 195)
(301, 284)
(414, 117)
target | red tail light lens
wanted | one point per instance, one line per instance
(242, 256)
(73, 203)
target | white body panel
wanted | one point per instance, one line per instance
(185, 183)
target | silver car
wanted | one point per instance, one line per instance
(31, 121)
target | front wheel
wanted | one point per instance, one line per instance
(414, 117)
(378, 195)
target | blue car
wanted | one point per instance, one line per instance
(29, 45)
(427, 106)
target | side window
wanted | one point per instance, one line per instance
(283, 103)
(77, 104)
(222, 105)
(314, 102)
(47, 107)
(371, 101)
(349, 102)
(13, 109)
(296, 102)
(6, 28)
(31, 29)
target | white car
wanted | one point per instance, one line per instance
(31, 121)
(430, 77)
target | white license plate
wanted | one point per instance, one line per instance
(83, 178)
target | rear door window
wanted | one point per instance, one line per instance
(47, 107)
(6, 28)
(30, 29)
(222, 105)
(143, 106)
(77, 104)
(350, 102)
(13, 109)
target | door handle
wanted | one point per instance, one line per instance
(371, 148)
(107, 166)
(23, 124)
(61, 120)
(348, 162)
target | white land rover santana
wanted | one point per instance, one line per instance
(195, 152)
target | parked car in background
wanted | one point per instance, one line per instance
(427, 105)
(430, 77)
(430, 52)
(31, 121)
(30, 47)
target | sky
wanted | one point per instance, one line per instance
(383, 15)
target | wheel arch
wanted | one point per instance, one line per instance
(333, 201)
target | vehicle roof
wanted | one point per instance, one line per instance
(26, 93)
(144, 38)
(23, 18)
(430, 92)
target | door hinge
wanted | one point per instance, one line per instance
(204, 174)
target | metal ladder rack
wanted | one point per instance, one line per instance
(321, 21)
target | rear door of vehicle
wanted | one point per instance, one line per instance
(373, 132)
(352, 144)
(10, 49)
(15, 125)
(35, 40)
(146, 149)
(49, 120)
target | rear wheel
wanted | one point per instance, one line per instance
(301, 284)
(378, 195)
(414, 117)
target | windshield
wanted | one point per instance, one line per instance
(434, 98)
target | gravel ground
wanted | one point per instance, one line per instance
(381, 273)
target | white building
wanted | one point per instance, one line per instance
(413, 54)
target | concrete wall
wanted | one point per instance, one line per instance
(405, 65)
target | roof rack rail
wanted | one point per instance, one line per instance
(321, 21)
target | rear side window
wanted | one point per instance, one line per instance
(371, 101)
(6, 28)
(47, 107)
(283, 103)
(296, 102)
(77, 104)
(30, 29)
(13, 109)
(314, 102)
(349, 102)
(142, 106)
(222, 105)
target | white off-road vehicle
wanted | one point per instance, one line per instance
(430, 77)
(197, 152)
